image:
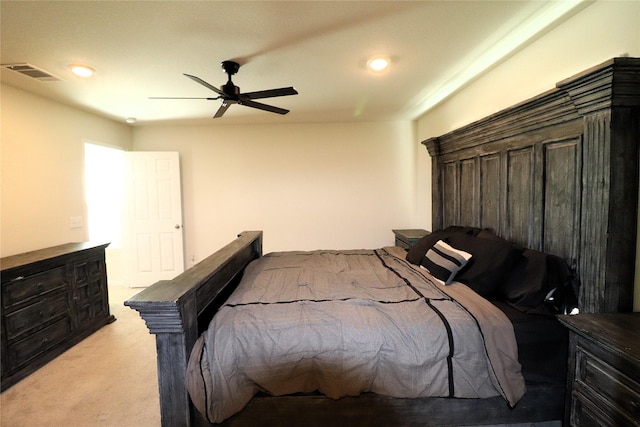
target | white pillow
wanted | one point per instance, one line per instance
(444, 261)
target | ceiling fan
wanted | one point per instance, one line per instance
(230, 93)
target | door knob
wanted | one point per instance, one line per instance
(177, 227)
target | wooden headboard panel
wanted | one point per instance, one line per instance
(557, 173)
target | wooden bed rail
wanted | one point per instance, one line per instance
(177, 310)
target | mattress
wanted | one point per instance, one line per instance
(543, 345)
(348, 322)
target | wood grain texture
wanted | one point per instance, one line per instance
(177, 310)
(542, 404)
(51, 299)
(567, 182)
(407, 238)
(603, 380)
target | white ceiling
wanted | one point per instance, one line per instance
(140, 49)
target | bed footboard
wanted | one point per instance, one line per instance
(177, 310)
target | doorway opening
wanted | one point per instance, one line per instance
(104, 173)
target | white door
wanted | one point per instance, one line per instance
(153, 240)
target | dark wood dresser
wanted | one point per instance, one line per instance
(51, 299)
(603, 384)
(408, 237)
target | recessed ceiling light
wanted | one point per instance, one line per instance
(378, 63)
(131, 120)
(81, 70)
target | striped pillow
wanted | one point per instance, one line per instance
(444, 261)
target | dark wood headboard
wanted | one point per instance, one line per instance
(557, 173)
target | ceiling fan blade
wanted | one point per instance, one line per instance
(223, 109)
(205, 84)
(270, 93)
(264, 107)
(182, 97)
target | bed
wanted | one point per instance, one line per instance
(557, 174)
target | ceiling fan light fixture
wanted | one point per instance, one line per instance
(81, 70)
(378, 63)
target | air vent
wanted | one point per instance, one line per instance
(31, 71)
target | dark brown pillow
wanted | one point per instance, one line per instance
(417, 252)
(533, 277)
(487, 233)
(491, 263)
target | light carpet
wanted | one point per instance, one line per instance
(108, 379)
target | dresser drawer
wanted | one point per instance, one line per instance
(21, 352)
(37, 315)
(610, 383)
(19, 290)
(604, 376)
(87, 270)
(51, 299)
(407, 239)
(89, 289)
(586, 413)
(91, 310)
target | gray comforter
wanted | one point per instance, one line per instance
(347, 322)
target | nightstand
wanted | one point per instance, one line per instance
(408, 238)
(603, 380)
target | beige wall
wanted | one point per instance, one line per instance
(42, 174)
(307, 186)
(600, 31)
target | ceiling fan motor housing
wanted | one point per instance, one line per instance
(230, 67)
(230, 89)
